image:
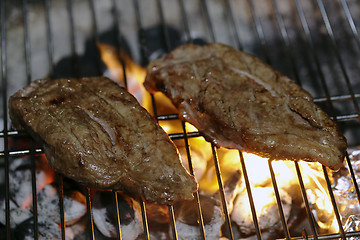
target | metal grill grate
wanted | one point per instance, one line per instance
(315, 42)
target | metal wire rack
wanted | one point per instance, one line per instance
(314, 39)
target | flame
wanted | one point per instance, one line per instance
(120, 66)
(45, 175)
(257, 167)
(287, 181)
(286, 178)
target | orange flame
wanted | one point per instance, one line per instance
(47, 176)
(120, 67)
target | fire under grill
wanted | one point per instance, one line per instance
(241, 196)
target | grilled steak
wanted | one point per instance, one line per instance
(95, 132)
(237, 101)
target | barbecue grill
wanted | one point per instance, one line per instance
(315, 42)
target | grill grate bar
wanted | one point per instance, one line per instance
(259, 31)
(250, 196)
(221, 192)
(286, 41)
(49, 35)
(208, 20)
(337, 98)
(4, 100)
(333, 201)
(278, 201)
(34, 192)
(233, 24)
(185, 21)
(119, 42)
(27, 45)
(351, 21)
(172, 221)
(144, 218)
(95, 35)
(91, 233)
(191, 170)
(343, 118)
(19, 153)
(163, 26)
(141, 32)
(61, 205)
(118, 225)
(306, 201)
(74, 56)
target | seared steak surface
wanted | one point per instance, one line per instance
(237, 101)
(96, 132)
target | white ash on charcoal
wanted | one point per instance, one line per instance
(186, 212)
(106, 219)
(20, 182)
(47, 199)
(48, 205)
(187, 224)
(47, 230)
(22, 220)
(17, 214)
(20, 178)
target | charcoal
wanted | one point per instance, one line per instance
(48, 205)
(105, 215)
(17, 214)
(20, 178)
(47, 230)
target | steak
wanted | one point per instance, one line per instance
(96, 133)
(237, 101)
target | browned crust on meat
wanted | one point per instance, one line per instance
(238, 101)
(96, 132)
